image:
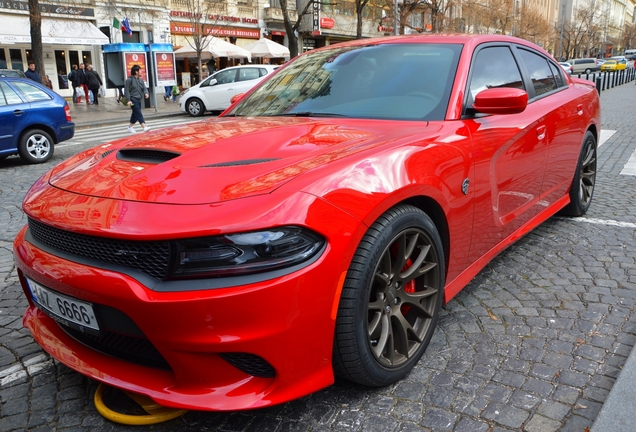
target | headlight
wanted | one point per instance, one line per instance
(244, 253)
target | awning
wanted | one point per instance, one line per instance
(16, 29)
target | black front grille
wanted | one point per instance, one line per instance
(132, 349)
(150, 257)
(251, 364)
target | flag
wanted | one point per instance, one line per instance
(125, 26)
(116, 23)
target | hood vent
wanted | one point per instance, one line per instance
(146, 156)
(107, 153)
(239, 162)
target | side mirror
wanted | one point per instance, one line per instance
(501, 100)
(236, 98)
(212, 82)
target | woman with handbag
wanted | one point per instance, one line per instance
(135, 91)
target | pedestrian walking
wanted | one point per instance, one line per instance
(168, 94)
(74, 78)
(82, 75)
(94, 82)
(31, 73)
(135, 91)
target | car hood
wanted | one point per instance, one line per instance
(220, 159)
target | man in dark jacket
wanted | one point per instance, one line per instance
(31, 73)
(94, 82)
(74, 78)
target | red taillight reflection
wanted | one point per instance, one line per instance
(67, 111)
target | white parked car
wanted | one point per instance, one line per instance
(215, 92)
(567, 67)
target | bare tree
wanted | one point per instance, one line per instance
(35, 21)
(292, 28)
(200, 15)
(360, 5)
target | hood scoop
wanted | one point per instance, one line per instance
(149, 156)
(239, 163)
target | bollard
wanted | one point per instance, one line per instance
(598, 84)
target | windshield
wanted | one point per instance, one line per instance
(389, 81)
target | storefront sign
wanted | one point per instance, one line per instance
(316, 19)
(164, 65)
(327, 23)
(189, 29)
(202, 17)
(131, 59)
(48, 8)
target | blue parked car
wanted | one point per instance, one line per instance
(33, 119)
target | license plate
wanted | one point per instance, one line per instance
(63, 307)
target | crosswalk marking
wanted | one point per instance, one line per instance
(108, 133)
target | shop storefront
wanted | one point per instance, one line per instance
(68, 37)
(237, 30)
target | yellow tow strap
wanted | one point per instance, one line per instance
(156, 413)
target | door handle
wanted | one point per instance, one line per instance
(541, 132)
(18, 112)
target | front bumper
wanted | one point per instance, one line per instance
(288, 322)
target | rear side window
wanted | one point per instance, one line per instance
(10, 94)
(494, 67)
(247, 74)
(542, 75)
(558, 75)
(31, 92)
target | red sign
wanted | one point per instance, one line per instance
(139, 59)
(188, 29)
(327, 23)
(315, 33)
(277, 33)
(165, 66)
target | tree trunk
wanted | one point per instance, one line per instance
(289, 28)
(35, 20)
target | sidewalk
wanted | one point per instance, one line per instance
(109, 111)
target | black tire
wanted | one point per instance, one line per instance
(195, 107)
(3, 157)
(388, 311)
(588, 71)
(36, 146)
(584, 180)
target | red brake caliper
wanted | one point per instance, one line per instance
(409, 288)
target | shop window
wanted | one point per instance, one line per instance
(16, 59)
(74, 58)
(87, 57)
(3, 59)
(416, 21)
(327, 7)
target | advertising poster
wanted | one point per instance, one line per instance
(132, 59)
(165, 66)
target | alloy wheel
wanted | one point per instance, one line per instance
(403, 297)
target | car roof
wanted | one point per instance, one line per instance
(248, 66)
(13, 73)
(437, 38)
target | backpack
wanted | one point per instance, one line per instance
(70, 76)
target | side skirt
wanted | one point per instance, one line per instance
(457, 284)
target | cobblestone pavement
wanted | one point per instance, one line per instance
(535, 342)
